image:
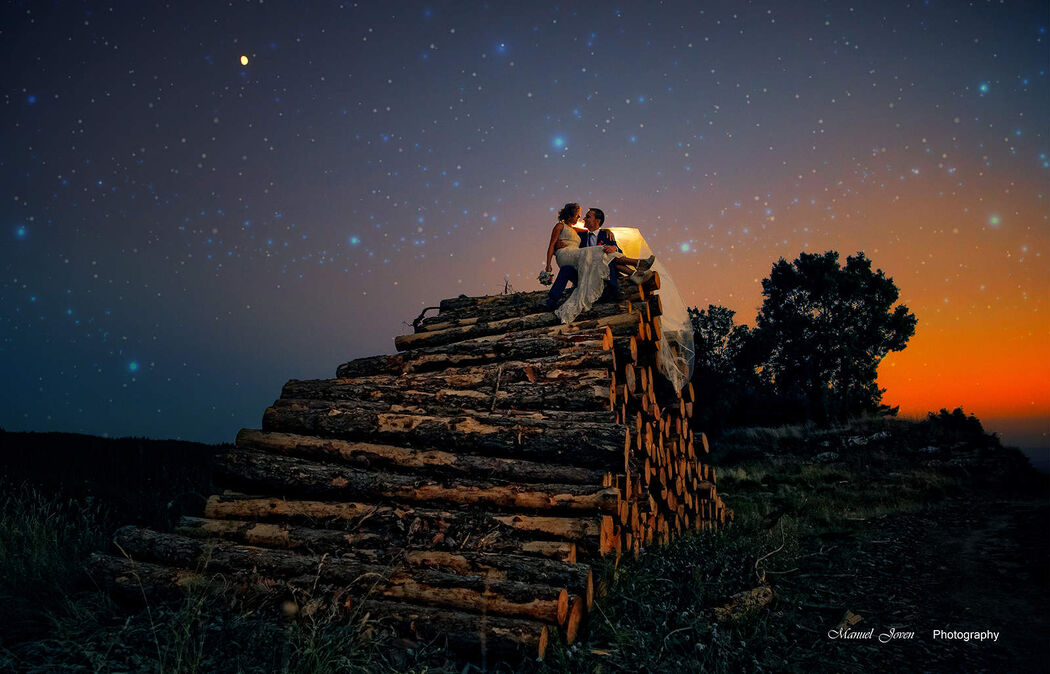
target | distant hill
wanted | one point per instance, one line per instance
(145, 481)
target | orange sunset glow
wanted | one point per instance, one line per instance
(289, 201)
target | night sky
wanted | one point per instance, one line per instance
(182, 232)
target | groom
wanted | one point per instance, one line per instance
(595, 236)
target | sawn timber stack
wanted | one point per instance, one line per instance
(460, 491)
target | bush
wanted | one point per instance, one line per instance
(955, 426)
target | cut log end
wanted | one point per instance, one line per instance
(541, 647)
(563, 606)
(575, 620)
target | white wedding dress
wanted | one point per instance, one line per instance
(592, 270)
(675, 362)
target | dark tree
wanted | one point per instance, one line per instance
(824, 329)
(728, 389)
(718, 341)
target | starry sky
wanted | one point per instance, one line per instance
(203, 200)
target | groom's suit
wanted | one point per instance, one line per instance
(601, 237)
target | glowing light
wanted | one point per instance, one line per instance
(21, 232)
(354, 240)
(984, 88)
(559, 142)
(684, 247)
(994, 220)
(244, 60)
(31, 99)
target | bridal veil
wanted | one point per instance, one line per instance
(675, 357)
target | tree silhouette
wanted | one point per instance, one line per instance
(823, 329)
(718, 341)
(726, 382)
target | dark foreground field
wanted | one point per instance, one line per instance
(887, 526)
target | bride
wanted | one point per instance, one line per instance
(591, 262)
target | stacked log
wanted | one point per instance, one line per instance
(463, 487)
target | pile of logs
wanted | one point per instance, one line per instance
(460, 490)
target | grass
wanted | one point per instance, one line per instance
(42, 543)
(810, 527)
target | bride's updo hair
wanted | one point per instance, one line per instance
(569, 210)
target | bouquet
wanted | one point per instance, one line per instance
(546, 278)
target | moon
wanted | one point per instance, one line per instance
(244, 60)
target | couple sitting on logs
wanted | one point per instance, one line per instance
(589, 257)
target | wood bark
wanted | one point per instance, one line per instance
(434, 410)
(444, 529)
(549, 369)
(436, 588)
(136, 580)
(572, 438)
(432, 462)
(480, 328)
(482, 638)
(495, 307)
(528, 299)
(577, 578)
(491, 349)
(626, 349)
(579, 390)
(275, 535)
(409, 530)
(742, 603)
(308, 478)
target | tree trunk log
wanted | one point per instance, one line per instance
(573, 390)
(476, 328)
(456, 330)
(134, 581)
(528, 300)
(294, 476)
(626, 349)
(370, 549)
(495, 307)
(582, 442)
(292, 537)
(491, 349)
(544, 370)
(577, 578)
(480, 638)
(442, 529)
(436, 588)
(271, 535)
(433, 462)
(434, 410)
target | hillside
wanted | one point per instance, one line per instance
(911, 526)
